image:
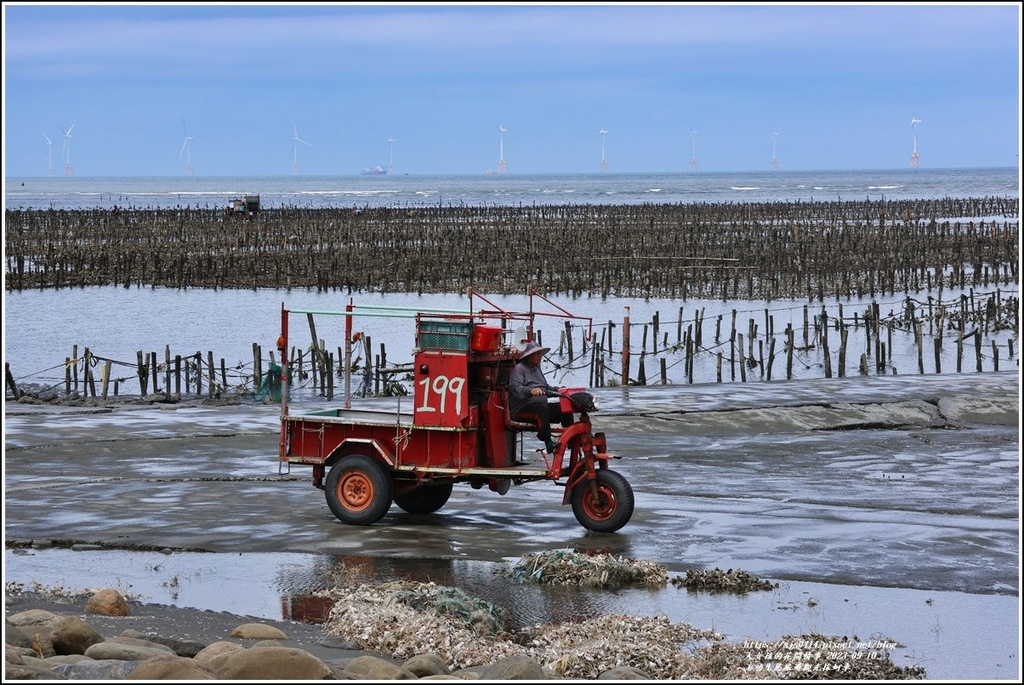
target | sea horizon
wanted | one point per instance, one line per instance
(507, 189)
(394, 174)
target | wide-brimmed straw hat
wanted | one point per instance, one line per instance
(532, 348)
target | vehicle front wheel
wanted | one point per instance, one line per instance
(425, 499)
(358, 490)
(610, 509)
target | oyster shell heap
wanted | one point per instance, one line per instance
(406, 618)
(565, 567)
(717, 580)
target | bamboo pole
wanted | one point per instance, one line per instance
(105, 379)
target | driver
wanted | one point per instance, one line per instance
(528, 392)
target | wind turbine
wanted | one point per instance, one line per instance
(915, 159)
(775, 162)
(68, 170)
(693, 150)
(604, 164)
(391, 155)
(295, 148)
(49, 155)
(186, 147)
(502, 165)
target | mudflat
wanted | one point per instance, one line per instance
(865, 485)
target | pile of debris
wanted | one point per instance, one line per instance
(565, 567)
(651, 644)
(810, 656)
(408, 618)
(405, 619)
(717, 580)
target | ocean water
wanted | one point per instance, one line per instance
(41, 328)
(510, 189)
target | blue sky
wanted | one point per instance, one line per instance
(838, 84)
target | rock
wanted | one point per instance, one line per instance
(12, 655)
(122, 652)
(13, 635)
(102, 669)
(368, 667)
(31, 660)
(187, 648)
(213, 656)
(73, 636)
(518, 667)
(170, 668)
(273, 663)
(27, 672)
(423, 665)
(38, 618)
(266, 643)
(68, 659)
(258, 631)
(139, 642)
(107, 602)
(624, 673)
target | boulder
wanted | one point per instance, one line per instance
(139, 642)
(273, 663)
(12, 655)
(369, 667)
(73, 636)
(624, 673)
(188, 648)
(428, 664)
(122, 652)
(34, 618)
(107, 602)
(67, 659)
(258, 631)
(29, 672)
(13, 635)
(171, 668)
(103, 669)
(213, 656)
(518, 667)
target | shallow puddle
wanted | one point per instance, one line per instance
(952, 635)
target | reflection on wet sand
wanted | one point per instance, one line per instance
(526, 603)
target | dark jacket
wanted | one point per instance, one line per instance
(523, 379)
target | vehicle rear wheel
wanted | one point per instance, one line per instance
(610, 510)
(358, 490)
(425, 499)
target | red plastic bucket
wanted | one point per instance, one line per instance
(485, 338)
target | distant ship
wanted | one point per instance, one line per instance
(375, 171)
